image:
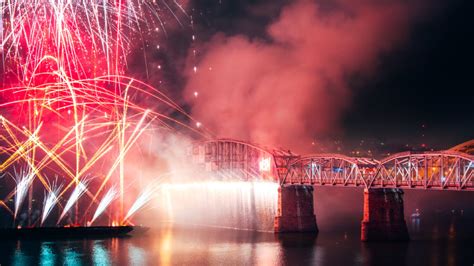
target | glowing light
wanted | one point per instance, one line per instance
(23, 180)
(264, 165)
(67, 60)
(49, 202)
(108, 198)
(217, 202)
(142, 199)
(76, 194)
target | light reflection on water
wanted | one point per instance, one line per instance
(47, 256)
(100, 254)
(204, 246)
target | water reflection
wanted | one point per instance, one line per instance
(207, 246)
(71, 257)
(385, 253)
(166, 246)
(20, 259)
(137, 256)
(47, 256)
(100, 254)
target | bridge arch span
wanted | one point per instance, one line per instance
(236, 159)
(445, 170)
(466, 147)
(330, 169)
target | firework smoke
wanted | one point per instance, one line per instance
(145, 196)
(63, 71)
(292, 86)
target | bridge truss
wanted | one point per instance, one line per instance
(442, 170)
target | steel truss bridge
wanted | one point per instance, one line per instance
(441, 170)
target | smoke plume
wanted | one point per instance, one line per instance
(288, 87)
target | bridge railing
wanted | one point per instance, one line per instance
(233, 159)
(429, 170)
(331, 169)
(446, 170)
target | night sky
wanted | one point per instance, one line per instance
(427, 82)
(417, 93)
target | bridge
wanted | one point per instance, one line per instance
(383, 180)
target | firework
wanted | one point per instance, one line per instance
(76, 194)
(105, 202)
(141, 201)
(23, 180)
(101, 31)
(49, 201)
(63, 71)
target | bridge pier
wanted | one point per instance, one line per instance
(295, 210)
(383, 215)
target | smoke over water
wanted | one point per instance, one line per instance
(291, 86)
(231, 204)
(283, 89)
(186, 194)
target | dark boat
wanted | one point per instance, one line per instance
(66, 232)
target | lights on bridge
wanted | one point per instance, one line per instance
(337, 169)
(471, 165)
(264, 165)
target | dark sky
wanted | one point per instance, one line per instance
(420, 92)
(425, 81)
(428, 81)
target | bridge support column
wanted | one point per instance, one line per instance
(383, 215)
(295, 210)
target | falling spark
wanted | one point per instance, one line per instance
(105, 202)
(76, 194)
(142, 199)
(23, 180)
(83, 107)
(49, 201)
(33, 29)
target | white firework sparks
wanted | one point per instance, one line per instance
(76, 194)
(142, 199)
(105, 202)
(49, 201)
(23, 180)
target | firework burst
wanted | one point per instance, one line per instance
(67, 106)
(50, 200)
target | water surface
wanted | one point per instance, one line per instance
(211, 246)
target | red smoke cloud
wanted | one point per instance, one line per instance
(291, 87)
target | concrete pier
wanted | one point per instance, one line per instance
(383, 216)
(295, 210)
